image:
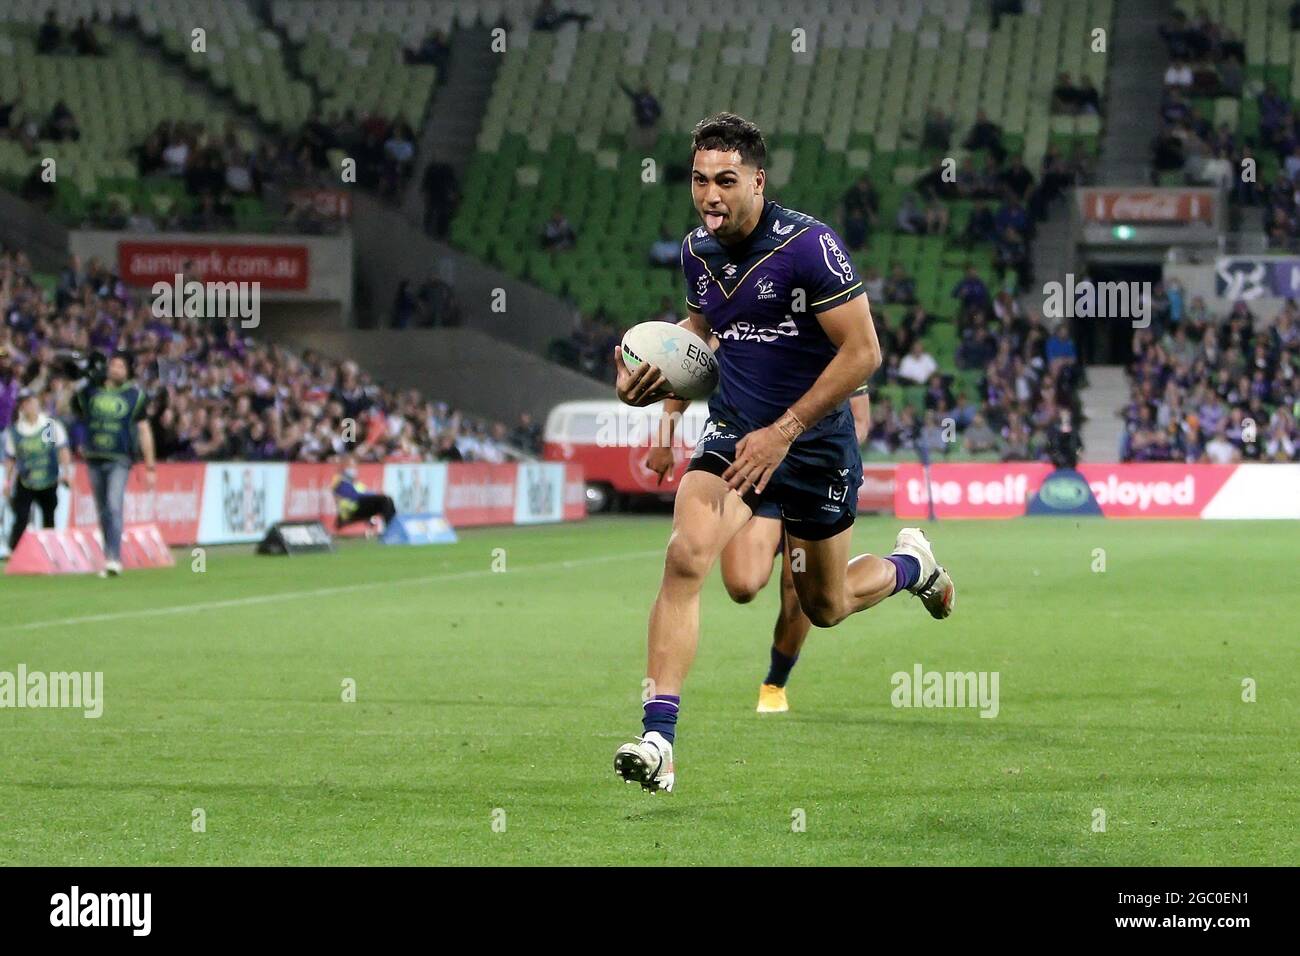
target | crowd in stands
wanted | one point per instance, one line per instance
(1008, 198)
(26, 127)
(215, 393)
(1206, 59)
(1209, 390)
(217, 169)
(1028, 381)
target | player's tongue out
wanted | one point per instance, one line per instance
(713, 219)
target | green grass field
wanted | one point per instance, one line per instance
(1119, 690)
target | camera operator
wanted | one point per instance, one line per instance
(113, 409)
(35, 450)
(1063, 442)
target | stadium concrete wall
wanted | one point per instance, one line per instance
(295, 268)
(1264, 283)
(464, 367)
(26, 226)
(392, 249)
(234, 502)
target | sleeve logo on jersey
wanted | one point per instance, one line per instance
(781, 230)
(701, 286)
(841, 268)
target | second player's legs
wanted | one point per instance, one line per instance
(792, 624)
(831, 586)
(747, 558)
(706, 515)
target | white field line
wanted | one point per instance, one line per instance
(314, 592)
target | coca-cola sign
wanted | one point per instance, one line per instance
(1179, 206)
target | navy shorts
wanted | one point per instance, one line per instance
(814, 491)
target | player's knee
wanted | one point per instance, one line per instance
(743, 588)
(824, 611)
(686, 559)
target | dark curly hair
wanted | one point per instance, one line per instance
(727, 131)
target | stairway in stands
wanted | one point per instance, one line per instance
(1137, 66)
(450, 131)
(1105, 395)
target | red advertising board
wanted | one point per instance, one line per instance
(972, 490)
(1148, 206)
(275, 266)
(174, 505)
(1156, 490)
(877, 490)
(479, 494)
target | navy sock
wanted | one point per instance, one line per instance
(907, 570)
(779, 672)
(661, 715)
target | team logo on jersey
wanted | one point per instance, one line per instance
(701, 287)
(701, 233)
(780, 230)
(765, 290)
(729, 270)
(749, 332)
(836, 261)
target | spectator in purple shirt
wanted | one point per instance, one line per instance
(8, 388)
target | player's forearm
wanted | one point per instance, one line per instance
(668, 419)
(146, 445)
(853, 364)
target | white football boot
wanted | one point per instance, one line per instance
(934, 586)
(648, 761)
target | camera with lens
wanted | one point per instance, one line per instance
(92, 365)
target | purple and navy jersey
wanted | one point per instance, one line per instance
(761, 298)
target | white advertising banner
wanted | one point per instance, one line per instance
(241, 501)
(416, 488)
(539, 493)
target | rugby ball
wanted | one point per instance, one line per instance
(685, 359)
